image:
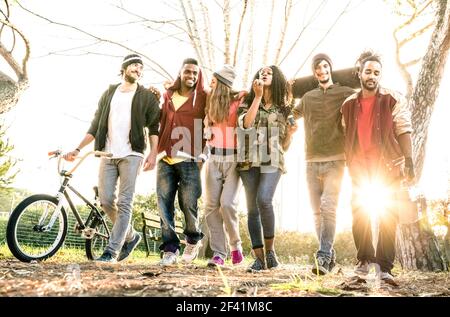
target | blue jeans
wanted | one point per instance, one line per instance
(183, 177)
(259, 191)
(324, 182)
(118, 208)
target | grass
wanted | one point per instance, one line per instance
(73, 254)
(306, 284)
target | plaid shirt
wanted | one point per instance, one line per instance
(261, 144)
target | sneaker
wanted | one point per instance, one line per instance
(331, 265)
(362, 268)
(169, 258)
(388, 278)
(322, 267)
(190, 252)
(271, 259)
(216, 261)
(106, 257)
(128, 247)
(257, 266)
(236, 257)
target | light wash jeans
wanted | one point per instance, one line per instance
(118, 210)
(259, 191)
(324, 182)
(222, 186)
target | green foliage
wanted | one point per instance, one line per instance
(7, 163)
(10, 197)
(149, 203)
(143, 203)
(3, 223)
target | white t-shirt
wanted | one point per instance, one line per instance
(119, 125)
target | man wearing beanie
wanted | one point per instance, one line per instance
(124, 112)
(325, 160)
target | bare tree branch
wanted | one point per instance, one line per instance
(190, 32)
(196, 32)
(159, 69)
(207, 29)
(21, 71)
(269, 33)
(403, 67)
(249, 57)
(294, 43)
(325, 35)
(244, 10)
(227, 30)
(413, 62)
(416, 13)
(416, 34)
(287, 13)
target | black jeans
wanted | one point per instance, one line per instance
(362, 226)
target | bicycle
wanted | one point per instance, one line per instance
(38, 225)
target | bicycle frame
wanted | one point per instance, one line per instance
(86, 232)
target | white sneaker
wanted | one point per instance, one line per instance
(362, 268)
(190, 252)
(388, 278)
(169, 258)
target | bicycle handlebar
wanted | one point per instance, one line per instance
(58, 154)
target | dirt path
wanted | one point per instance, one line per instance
(136, 280)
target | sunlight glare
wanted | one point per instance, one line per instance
(374, 198)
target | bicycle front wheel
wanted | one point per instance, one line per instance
(96, 245)
(29, 234)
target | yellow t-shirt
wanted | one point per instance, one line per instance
(177, 100)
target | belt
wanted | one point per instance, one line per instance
(219, 151)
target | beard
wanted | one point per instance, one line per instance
(130, 79)
(369, 88)
(325, 81)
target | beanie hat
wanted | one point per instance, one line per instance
(131, 59)
(321, 57)
(226, 75)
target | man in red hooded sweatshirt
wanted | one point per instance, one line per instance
(181, 147)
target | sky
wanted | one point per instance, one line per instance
(55, 111)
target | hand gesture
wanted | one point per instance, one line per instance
(258, 86)
(167, 84)
(155, 91)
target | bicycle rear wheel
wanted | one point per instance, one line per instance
(96, 245)
(27, 234)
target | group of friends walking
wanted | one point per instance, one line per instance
(242, 136)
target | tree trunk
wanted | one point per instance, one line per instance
(417, 247)
(10, 92)
(447, 236)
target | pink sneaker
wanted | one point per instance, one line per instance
(236, 257)
(216, 261)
